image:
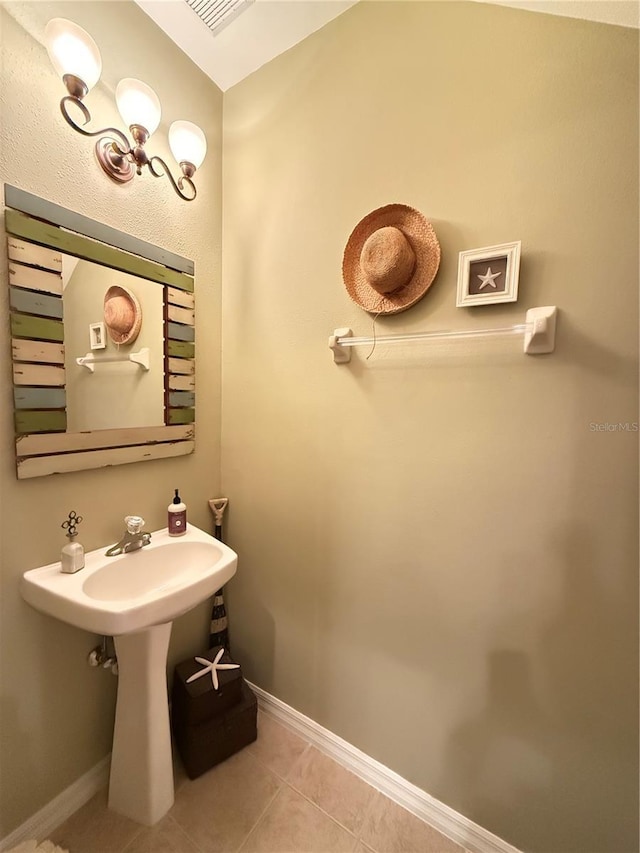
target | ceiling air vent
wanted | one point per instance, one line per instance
(217, 14)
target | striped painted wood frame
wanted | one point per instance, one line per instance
(38, 233)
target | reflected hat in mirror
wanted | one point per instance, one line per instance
(122, 315)
(391, 259)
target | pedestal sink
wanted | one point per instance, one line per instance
(135, 598)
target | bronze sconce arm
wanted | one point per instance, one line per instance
(187, 171)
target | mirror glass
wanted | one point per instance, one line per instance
(116, 394)
(103, 342)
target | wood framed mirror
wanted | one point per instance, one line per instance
(82, 402)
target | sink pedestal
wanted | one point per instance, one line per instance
(141, 780)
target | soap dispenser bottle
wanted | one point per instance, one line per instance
(72, 556)
(177, 516)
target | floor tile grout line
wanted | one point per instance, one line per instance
(244, 838)
(181, 829)
(184, 829)
(374, 791)
(280, 779)
(367, 812)
(298, 760)
(286, 781)
(186, 834)
(280, 776)
(258, 821)
(367, 808)
(131, 840)
(320, 809)
(311, 803)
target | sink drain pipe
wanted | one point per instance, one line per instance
(219, 630)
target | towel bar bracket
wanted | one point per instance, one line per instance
(540, 337)
(341, 355)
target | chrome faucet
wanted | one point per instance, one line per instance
(133, 539)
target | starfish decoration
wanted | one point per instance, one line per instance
(212, 667)
(488, 279)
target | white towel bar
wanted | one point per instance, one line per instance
(539, 330)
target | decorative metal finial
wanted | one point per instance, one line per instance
(71, 524)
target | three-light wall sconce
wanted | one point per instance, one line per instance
(76, 57)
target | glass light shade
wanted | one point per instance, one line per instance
(138, 104)
(73, 51)
(187, 142)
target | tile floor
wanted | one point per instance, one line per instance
(278, 795)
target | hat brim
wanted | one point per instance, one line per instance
(129, 336)
(422, 238)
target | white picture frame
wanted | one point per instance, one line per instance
(97, 336)
(488, 275)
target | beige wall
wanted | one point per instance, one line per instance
(438, 553)
(56, 712)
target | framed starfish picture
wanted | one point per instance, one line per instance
(488, 275)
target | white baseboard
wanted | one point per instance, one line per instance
(43, 822)
(454, 825)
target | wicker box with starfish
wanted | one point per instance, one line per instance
(213, 712)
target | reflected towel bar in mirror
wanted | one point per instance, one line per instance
(141, 357)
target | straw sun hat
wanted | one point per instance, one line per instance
(122, 315)
(391, 259)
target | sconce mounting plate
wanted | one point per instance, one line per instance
(116, 166)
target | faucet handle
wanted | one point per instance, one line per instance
(134, 523)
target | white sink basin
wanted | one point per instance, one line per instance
(131, 592)
(135, 597)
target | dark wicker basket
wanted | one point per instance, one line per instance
(205, 744)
